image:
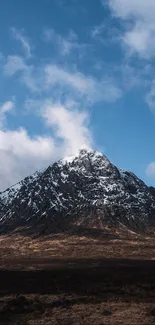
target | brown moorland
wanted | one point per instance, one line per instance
(89, 276)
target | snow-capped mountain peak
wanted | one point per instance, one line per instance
(84, 189)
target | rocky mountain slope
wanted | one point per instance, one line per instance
(86, 190)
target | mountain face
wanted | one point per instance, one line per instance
(87, 190)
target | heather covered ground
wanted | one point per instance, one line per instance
(95, 277)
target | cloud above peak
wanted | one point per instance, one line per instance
(22, 154)
(71, 126)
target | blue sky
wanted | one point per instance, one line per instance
(76, 73)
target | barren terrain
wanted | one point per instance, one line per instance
(87, 277)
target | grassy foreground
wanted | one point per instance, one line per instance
(94, 277)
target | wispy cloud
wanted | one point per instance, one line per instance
(19, 36)
(150, 170)
(4, 109)
(52, 76)
(66, 44)
(28, 74)
(94, 90)
(105, 33)
(132, 9)
(141, 39)
(137, 36)
(13, 64)
(61, 96)
(139, 25)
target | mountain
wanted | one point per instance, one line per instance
(85, 190)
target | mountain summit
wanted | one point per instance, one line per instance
(85, 190)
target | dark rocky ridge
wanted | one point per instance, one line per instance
(87, 190)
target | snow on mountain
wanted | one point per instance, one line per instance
(86, 189)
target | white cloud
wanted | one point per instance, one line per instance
(58, 75)
(13, 64)
(4, 109)
(130, 8)
(93, 89)
(137, 18)
(58, 78)
(150, 170)
(27, 74)
(72, 92)
(18, 35)
(141, 39)
(70, 126)
(21, 154)
(140, 33)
